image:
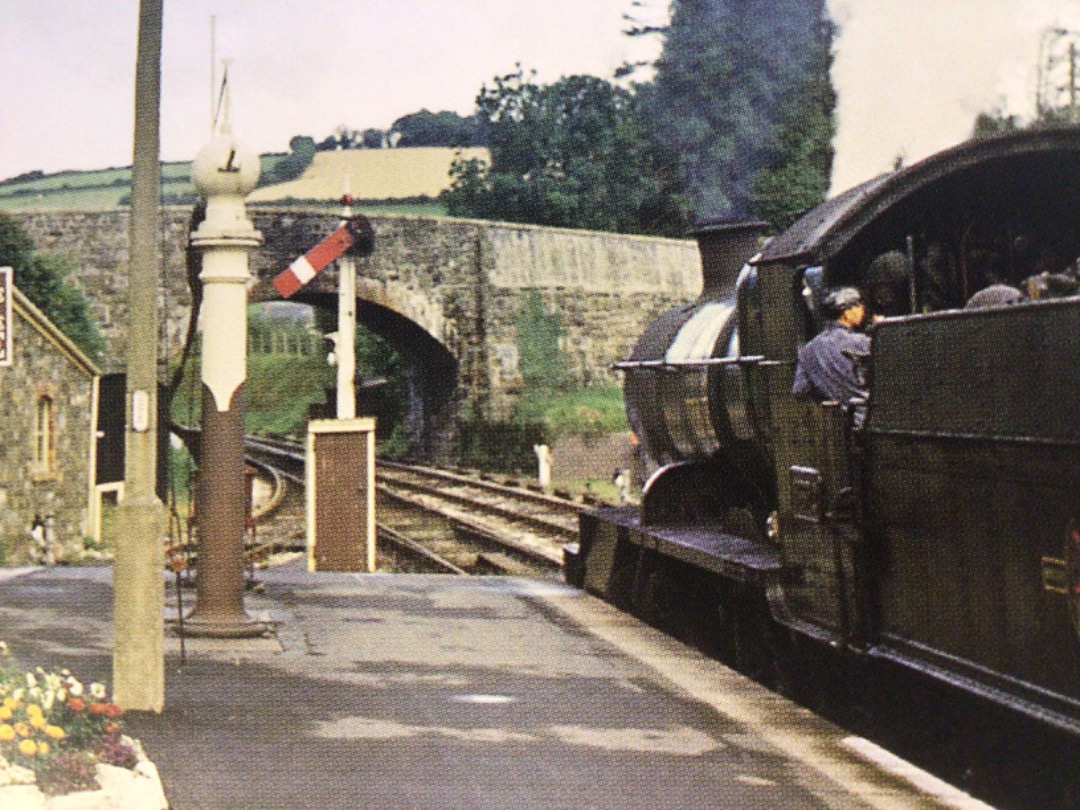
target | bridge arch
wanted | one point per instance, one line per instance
(431, 369)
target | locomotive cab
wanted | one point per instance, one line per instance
(935, 535)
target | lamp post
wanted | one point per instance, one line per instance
(224, 172)
(138, 588)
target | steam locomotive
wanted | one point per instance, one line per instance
(942, 534)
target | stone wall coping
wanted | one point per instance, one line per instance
(268, 207)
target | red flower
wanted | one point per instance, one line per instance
(98, 708)
(111, 728)
(112, 710)
(76, 704)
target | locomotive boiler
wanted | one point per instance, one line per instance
(942, 533)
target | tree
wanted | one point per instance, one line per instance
(573, 154)
(44, 280)
(425, 128)
(302, 150)
(798, 177)
(16, 246)
(342, 138)
(373, 138)
(994, 123)
(728, 72)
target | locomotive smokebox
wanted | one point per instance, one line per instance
(686, 392)
(725, 246)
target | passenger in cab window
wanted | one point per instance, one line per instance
(828, 365)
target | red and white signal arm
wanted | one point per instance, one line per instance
(304, 269)
(353, 231)
(5, 316)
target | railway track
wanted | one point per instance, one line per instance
(452, 521)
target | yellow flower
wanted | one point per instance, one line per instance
(11, 703)
(55, 732)
(22, 729)
(33, 710)
(37, 721)
(28, 748)
(43, 747)
(5, 713)
(7, 733)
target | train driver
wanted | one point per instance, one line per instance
(828, 367)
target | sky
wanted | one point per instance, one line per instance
(297, 67)
(911, 75)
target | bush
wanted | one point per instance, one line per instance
(505, 447)
(585, 412)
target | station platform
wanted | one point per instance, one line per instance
(424, 692)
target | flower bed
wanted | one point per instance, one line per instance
(62, 746)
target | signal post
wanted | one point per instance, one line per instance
(224, 172)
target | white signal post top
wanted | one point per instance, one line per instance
(224, 172)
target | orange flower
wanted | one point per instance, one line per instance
(7, 733)
(112, 710)
(111, 728)
(28, 748)
(55, 732)
(76, 704)
(97, 708)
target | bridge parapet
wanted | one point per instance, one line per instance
(462, 282)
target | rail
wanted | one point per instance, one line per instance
(516, 527)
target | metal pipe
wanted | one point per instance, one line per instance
(664, 365)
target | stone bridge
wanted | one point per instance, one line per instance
(446, 293)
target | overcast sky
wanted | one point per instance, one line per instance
(911, 75)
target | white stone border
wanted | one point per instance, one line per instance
(121, 789)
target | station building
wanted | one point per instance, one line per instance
(49, 394)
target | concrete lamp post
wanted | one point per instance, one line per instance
(224, 172)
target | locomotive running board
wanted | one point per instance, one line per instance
(609, 530)
(1034, 702)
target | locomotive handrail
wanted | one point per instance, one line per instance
(743, 360)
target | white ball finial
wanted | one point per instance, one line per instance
(225, 166)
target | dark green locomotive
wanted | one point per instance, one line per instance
(943, 533)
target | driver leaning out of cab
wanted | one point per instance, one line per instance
(828, 365)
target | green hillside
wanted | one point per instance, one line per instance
(96, 190)
(105, 189)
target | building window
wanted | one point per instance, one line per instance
(43, 435)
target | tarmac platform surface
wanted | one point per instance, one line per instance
(424, 692)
